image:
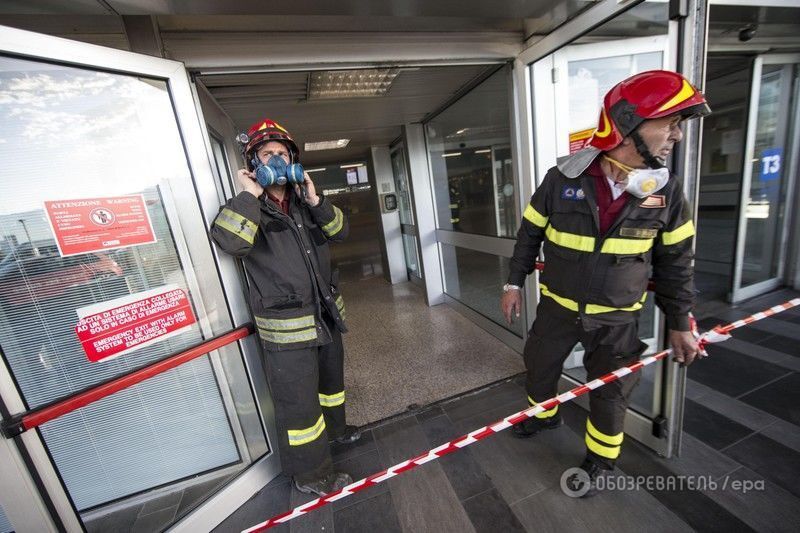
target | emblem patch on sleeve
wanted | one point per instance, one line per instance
(572, 193)
(654, 201)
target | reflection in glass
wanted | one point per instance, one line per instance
(470, 158)
(476, 279)
(764, 209)
(68, 133)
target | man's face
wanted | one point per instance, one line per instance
(661, 135)
(267, 150)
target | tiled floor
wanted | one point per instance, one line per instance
(741, 432)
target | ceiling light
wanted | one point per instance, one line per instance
(310, 170)
(484, 151)
(352, 165)
(351, 83)
(326, 145)
(451, 154)
(464, 130)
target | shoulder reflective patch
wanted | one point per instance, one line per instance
(534, 217)
(639, 233)
(654, 201)
(571, 192)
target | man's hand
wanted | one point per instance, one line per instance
(248, 182)
(511, 304)
(311, 191)
(684, 347)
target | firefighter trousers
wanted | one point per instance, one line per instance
(307, 389)
(551, 339)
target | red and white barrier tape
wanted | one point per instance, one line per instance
(717, 334)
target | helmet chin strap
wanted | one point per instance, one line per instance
(649, 159)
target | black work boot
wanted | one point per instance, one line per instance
(351, 434)
(583, 482)
(532, 426)
(324, 485)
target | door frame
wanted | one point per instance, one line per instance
(739, 293)
(50, 507)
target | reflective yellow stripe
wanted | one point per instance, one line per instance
(683, 232)
(591, 309)
(298, 437)
(611, 440)
(626, 246)
(237, 224)
(331, 400)
(686, 92)
(572, 305)
(455, 220)
(280, 337)
(453, 206)
(340, 305)
(285, 323)
(574, 241)
(534, 217)
(610, 452)
(334, 226)
(543, 414)
(595, 309)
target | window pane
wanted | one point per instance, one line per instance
(471, 163)
(476, 279)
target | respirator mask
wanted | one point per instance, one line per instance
(642, 182)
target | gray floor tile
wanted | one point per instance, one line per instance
(763, 353)
(318, 520)
(612, 512)
(770, 459)
(780, 398)
(359, 467)
(733, 373)
(736, 410)
(464, 473)
(490, 513)
(711, 427)
(485, 400)
(522, 467)
(376, 514)
(785, 433)
(770, 508)
(423, 497)
(270, 501)
(340, 452)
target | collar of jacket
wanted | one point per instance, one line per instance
(573, 165)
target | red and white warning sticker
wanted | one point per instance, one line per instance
(119, 326)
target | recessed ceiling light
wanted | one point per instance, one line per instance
(310, 170)
(352, 165)
(351, 83)
(326, 145)
(451, 154)
(484, 151)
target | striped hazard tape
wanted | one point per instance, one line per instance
(717, 334)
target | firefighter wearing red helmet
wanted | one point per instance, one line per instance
(280, 227)
(606, 216)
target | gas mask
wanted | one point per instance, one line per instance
(642, 182)
(277, 171)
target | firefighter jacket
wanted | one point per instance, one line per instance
(288, 263)
(604, 278)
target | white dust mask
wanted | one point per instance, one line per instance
(642, 182)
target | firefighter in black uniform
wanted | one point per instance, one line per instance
(607, 215)
(280, 227)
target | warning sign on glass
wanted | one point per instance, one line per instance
(95, 224)
(122, 325)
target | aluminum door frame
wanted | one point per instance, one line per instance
(41, 471)
(739, 293)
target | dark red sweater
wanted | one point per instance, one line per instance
(607, 208)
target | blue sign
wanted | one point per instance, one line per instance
(771, 164)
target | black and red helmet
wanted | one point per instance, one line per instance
(268, 130)
(645, 96)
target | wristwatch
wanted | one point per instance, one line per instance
(508, 287)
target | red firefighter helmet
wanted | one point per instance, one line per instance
(268, 130)
(651, 94)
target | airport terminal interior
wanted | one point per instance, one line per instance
(429, 125)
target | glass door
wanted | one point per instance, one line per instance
(407, 226)
(768, 176)
(568, 87)
(106, 267)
